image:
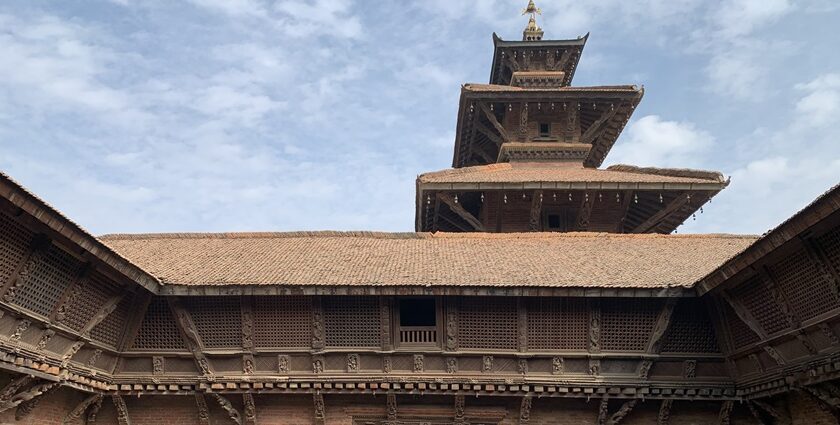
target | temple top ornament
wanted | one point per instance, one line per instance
(532, 31)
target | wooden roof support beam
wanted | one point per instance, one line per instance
(203, 411)
(27, 395)
(250, 410)
(654, 345)
(320, 409)
(584, 212)
(626, 201)
(190, 335)
(564, 59)
(459, 226)
(525, 410)
(80, 409)
(664, 416)
(535, 218)
(25, 408)
(233, 414)
(744, 315)
(595, 128)
(122, 410)
(391, 407)
(495, 138)
(460, 402)
(492, 118)
(725, 412)
(654, 220)
(458, 209)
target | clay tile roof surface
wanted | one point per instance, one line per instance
(570, 260)
(532, 173)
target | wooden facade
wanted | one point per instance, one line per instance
(123, 329)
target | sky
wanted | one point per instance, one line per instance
(255, 115)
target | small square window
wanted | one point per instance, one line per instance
(545, 129)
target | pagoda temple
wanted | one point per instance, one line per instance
(538, 288)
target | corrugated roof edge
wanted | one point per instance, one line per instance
(806, 217)
(42, 211)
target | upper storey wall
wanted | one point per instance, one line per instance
(560, 56)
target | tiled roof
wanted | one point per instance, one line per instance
(552, 260)
(572, 173)
(474, 87)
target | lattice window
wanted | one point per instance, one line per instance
(740, 334)
(158, 330)
(111, 329)
(283, 322)
(807, 289)
(691, 329)
(487, 323)
(627, 323)
(91, 297)
(558, 324)
(48, 280)
(830, 244)
(14, 244)
(757, 298)
(218, 320)
(351, 321)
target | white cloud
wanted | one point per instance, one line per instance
(821, 105)
(740, 17)
(652, 141)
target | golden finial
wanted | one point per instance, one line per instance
(532, 31)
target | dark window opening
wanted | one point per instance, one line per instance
(417, 312)
(545, 129)
(554, 221)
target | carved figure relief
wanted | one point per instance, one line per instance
(79, 411)
(65, 359)
(250, 410)
(317, 365)
(24, 275)
(690, 369)
(525, 410)
(20, 328)
(320, 410)
(386, 364)
(317, 328)
(247, 328)
(451, 329)
(557, 365)
(203, 411)
(644, 368)
(352, 362)
(157, 365)
(233, 414)
(451, 365)
(757, 361)
(72, 296)
(523, 122)
(94, 357)
(774, 355)
(595, 330)
(248, 364)
(487, 364)
(122, 410)
(418, 363)
(603, 411)
(523, 366)
(829, 333)
(594, 367)
(283, 363)
(391, 406)
(803, 339)
(45, 339)
(459, 409)
(94, 410)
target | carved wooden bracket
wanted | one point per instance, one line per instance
(250, 409)
(320, 409)
(191, 337)
(525, 410)
(725, 413)
(460, 211)
(664, 416)
(203, 411)
(122, 410)
(233, 414)
(79, 411)
(663, 321)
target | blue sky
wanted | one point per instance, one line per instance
(231, 115)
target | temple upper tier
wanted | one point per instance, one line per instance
(528, 147)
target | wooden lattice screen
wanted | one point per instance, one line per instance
(351, 321)
(628, 323)
(48, 280)
(158, 330)
(14, 243)
(111, 329)
(282, 322)
(558, 324)
(807, 289)
(487, 323)
(691, 329)
(91, 297)
(218, 320)
(830, 244)
(757, 298)
(739, 333)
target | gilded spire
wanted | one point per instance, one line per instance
(532, 32)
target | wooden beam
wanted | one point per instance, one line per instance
(626, 201)
(225, 404)
(458, 209)
(622, 412)
(25, 408)
(107, 308)
(493, 121)
(725, 412)
(654, 220)
(654, 345)
(37, 250)
(391, 407)
(585, 211)
(460, 417)
(80, 409)
(250, 410)
(71, 294)
(320, 408)
(14, 387)
(564, 59)
(664, 416)
(535, 217)
(460, 226)
(26, 395)
(122, 410)
(203, 411)
(190, 335)
(495, 138)
(525, 410)
(595, 128)
(778, 295)
(744, 315)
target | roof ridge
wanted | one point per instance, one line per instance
(710, 175)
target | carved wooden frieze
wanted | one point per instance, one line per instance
(594, 367)
(72, 296)
(806, 342)
(20, 328)
(44, 340)
(248, 367)
(65, 359)
(122, 410)
(250, 409)
(391, 407)
(317, 364)
(203, 411)
(595, 327)
(231, 411)
(320, 409)
(690, 369)
(522, 366)
(387, 366)
(94, 357)
(283, 362)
